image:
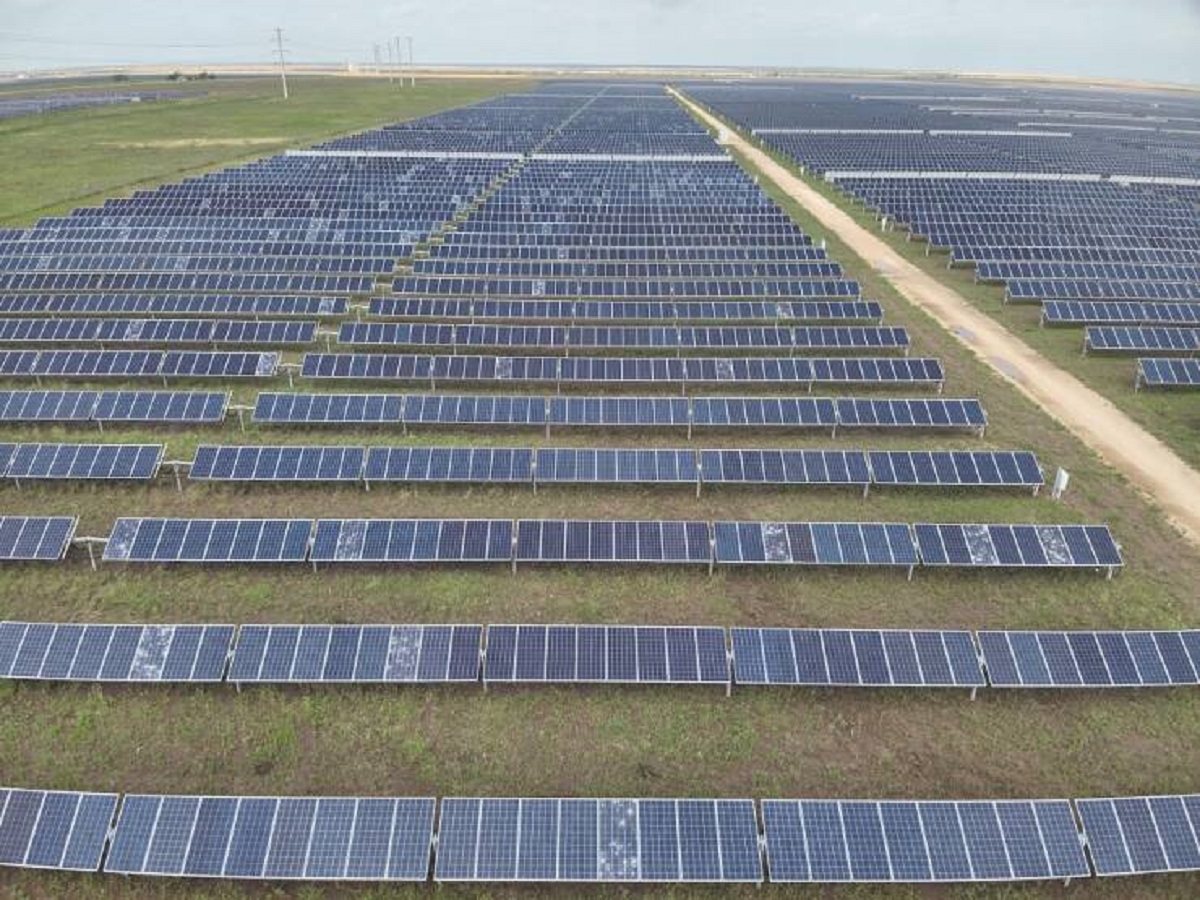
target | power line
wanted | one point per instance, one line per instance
(34, 39)
(282, 66)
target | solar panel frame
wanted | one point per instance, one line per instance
(812, 543)
(134, 654)
(1011, 545)
(139, 540)
(592, 842)
(418, 540)
(23, 812)
(272, 846)
(1114, 659)
(51, 536)
(856, 657)
(1107, 823)
(409, 655)
(126, 462)
(306, 463)
(971, 838)
(556, 541)
(697, 666)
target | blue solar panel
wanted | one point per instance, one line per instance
(356, 653)
(784, 467)
(47, 406)
(366, 409)
(35, 537)
(160, 406)
(412, 540)
(575, 840)
(606, 654)
(903, 841)
(957, 468)
(610, 466)
(567, 541)
(1056, 659)
(814, 543)
(148, 540)
(264, 463)
(1177, 373)
(67, 652)
(839, 657)
(449, 464)
(923, 414)
(1018, 546)
(312, 838)
(1144, 340)
(63, 830)
(1139, 835)
(80, 461)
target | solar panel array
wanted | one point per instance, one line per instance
(1168, 373)
(89, 462)
(40, 538)
(1017, 546)
(607, 654)
(597, 840)
(1040, 659)
(576, 840)
(274, 838)
(356, 653)
(46, 651)
(163, 407)
(904, 841)
(136, 364)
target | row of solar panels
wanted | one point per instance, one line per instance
(490, 287)
(155, 331)
(618, 337)
(1037, 291)
(1082, 312)
(549, 465)
(651, 840)
(136, 364)
(644, 412)
(450, 409)
(625, 310)
(527, 465)
(601, 654)
(341, 285)
(1146, 341)
(1172, 373)
(170, 305)
(792, 371)
(158, 540)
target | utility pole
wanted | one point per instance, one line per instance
(377, 59)
(412, 64)
(399, 60)
(282, 66)
(391, 62)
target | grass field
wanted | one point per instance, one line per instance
(596, 741)
(1172, 416)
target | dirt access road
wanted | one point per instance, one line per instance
(1122, 443)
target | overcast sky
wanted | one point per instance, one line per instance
(1151, 39)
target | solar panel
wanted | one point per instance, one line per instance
(449, 464)
(608, 654)
(905, 841)
(102, 462)
(956, 468)
(266, 463)
(1139, 835)
(1044, 659)
(356, 653)
(160, 406)
(592, 541)
(1018, 546)
(1152, 341)
(575, 840)
(763, 412)
(148, 540)
(39, 538)
(63, 830)
(784, 467)
(814, 543)
(854, 657)
(47, 406)
(903, 413)
(412, 540)
(276, 838)
(47, 651)
(1178, 373)
(363, 409)
(611, 466)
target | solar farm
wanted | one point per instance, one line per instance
(524, 494)
(1069, 216)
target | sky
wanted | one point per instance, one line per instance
(1144, 39)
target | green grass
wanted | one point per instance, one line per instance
(57, 161)
(1172, 416)
(619, 741)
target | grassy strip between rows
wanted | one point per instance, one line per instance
(619, 741)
